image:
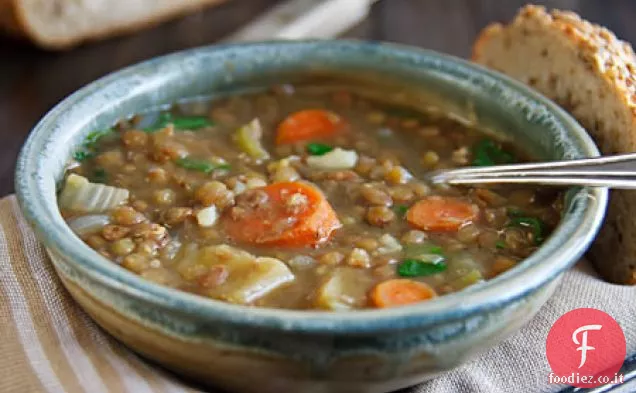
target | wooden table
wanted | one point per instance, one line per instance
(32, 81)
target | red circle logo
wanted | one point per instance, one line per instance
(585, 348)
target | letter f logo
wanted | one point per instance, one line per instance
(584, 347)
(571, 339)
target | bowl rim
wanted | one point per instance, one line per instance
(546, 264)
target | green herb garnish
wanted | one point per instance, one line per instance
(82, 155)
(418, 268)
(199, 165)
(179, 122)
(401, 210)
(99, 176)
(89, 145)
(422, 260)
(94, 137)
(191, 122)
(487, 153)
(318, 149)
(500, 244)
(537, 226)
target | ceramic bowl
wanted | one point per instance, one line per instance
(264, 350)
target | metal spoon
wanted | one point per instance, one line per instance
(618, 171)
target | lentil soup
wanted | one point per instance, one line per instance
(302, 197)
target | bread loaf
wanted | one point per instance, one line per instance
(59, 24)
(589, 72)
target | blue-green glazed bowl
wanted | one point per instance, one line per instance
(263, 350)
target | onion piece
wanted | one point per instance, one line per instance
(86, 225)
(207, 216)
(472, 277)
(389, 245)
(248, 138)
(301, 262)
(336, 159)
(171, 250)
(80, 195)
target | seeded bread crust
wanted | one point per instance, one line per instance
(588, 71)
(20, 18)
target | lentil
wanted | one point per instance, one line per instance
(164, 197)
(214, 193)
(126, 215)
(401, 194)
(157, 176)
(136, 263)
(114, 232)
(359, 258)
(177, 215)
(331, 258)
(134, 139)
(96, 241)
(430, 159)
(375, 196)
(380, 216)
(414, 237)
(122, 247)
(367, 243)
(468, 233)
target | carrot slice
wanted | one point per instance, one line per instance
(293, 214)
(400, 292)
(441, 214)
(307, 125)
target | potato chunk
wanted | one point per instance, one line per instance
(249, 278)
(344, 290)
(255, 280)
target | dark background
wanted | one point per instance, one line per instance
(32, 80)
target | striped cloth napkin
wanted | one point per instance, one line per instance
(48, 344)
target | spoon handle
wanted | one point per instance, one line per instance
(618, 171)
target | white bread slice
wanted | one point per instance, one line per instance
(59, 24)
(588, 71)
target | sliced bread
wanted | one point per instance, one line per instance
(59, 24)
(588, 71)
